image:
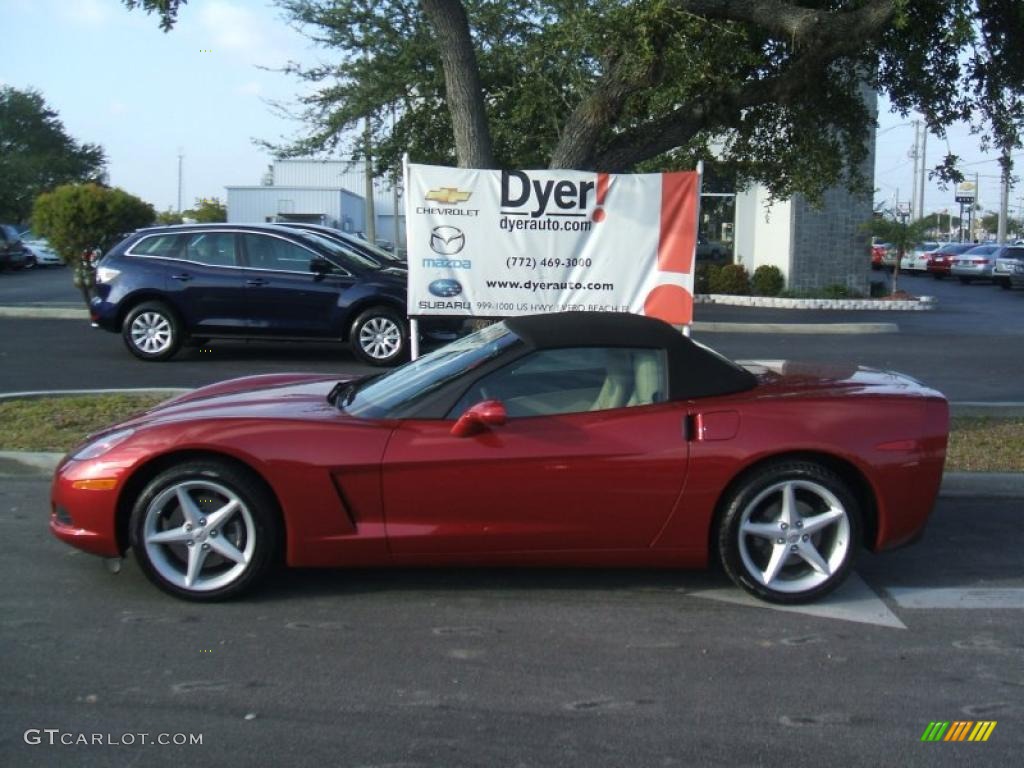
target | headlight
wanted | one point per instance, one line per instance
(106, 274)
(101, 445)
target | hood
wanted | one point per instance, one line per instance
(278, 396)
(784, 378)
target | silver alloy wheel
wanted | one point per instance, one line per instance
(380, 337)
(152, 332)
(199, 535)
(794, 536)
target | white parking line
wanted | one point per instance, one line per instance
(853, 601)
(959, 598)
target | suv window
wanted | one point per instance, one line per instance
(269, 252)
(554, 381)
(157, 245)
(214, 248)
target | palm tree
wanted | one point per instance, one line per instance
(901, 234)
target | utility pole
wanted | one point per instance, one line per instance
(181, 154)
(1004, 199)
(913, 183)
(924, 173)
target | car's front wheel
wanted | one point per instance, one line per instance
(789, 532)
(378, 336)
(151, 331)
(205, 530)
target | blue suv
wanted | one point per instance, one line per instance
(163, 285)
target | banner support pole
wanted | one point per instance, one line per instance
(414, 323)
(688, 328)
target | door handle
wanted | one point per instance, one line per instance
(184, 277)
(256, 282)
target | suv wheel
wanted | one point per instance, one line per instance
(151, 331)
(378, 336)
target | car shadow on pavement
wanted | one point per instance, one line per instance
(289, 584)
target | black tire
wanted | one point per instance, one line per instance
(379, 337)
(152, 331)
(30, 262)
(966, 280)
(938, 276)
(1005, 284)
(774, 565)
(251, 531)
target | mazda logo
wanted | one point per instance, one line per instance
(445, 287)
(447, 241)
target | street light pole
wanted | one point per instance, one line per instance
(181, 154)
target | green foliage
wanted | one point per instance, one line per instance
(731, 279)
(80, 218)
(207, 210)
(36, 154)
(703, 276)
(767, 280)
(167, 217)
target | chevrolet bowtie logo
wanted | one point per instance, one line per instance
(447, 195)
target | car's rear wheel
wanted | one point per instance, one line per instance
(151, 331)
(205, 530)
(789, 532)
(378, 336)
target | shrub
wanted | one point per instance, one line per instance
(731, 279)
(703, 277)
(767, 281)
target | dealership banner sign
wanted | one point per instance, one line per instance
(501, 243)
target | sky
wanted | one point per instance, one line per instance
(144, 95)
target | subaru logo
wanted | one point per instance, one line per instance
(445, 287)
(446, 240)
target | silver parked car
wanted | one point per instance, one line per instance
(1007, 260)
(975, 264)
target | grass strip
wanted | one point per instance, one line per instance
(976, 444)
(59, 423)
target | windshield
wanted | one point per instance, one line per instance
(345, 257)
(383, 255)
(386, 396)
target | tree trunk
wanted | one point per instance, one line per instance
(473, 146)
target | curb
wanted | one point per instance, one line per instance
(57, 313)
(991, 485)
(796, 328)
(50, 313)
(40, 393)
(771, 302)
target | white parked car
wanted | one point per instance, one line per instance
(39, 250)
(916, 259)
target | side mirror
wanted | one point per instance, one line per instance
(319, 266)
(479, 418)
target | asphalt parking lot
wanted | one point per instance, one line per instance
(502, 667)
(971, 348)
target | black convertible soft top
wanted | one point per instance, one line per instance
(694, 370)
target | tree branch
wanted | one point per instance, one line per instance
(794, 22)
(842, 34)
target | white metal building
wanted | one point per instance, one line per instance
(320, 191)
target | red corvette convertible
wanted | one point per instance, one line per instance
(578, 439)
